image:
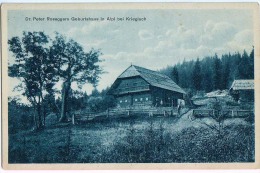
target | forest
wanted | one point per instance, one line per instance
(212, 72)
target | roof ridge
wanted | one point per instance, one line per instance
(159, 73)
(127, 69)
(154, 78)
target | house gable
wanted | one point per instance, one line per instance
(129, 85)
(242, 85)
(154, 78)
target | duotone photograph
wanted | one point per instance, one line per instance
(130, 85)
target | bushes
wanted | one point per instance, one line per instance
(150, 140)
(101, 103)
(191, 145)
(20, 117)
(232, 103)
(208, 146)
(139, 147)
(18, 154)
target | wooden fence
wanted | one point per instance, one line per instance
(199, 113)
(124, 112)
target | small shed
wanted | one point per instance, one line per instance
(242, 90)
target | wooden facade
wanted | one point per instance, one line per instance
(242, 90)
(138, 86)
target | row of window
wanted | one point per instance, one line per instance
(141, 99)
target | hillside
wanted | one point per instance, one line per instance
(136, 139)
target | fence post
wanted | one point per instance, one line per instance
(164, 113)
(232, 114)
(73, 119)
(107, 112)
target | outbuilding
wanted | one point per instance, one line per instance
(242, 90)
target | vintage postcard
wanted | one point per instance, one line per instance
(130, 86)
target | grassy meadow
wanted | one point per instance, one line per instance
(139, 139)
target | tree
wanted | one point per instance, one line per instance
(226, 71)
(32, 67)
(100, 101)
(95, 103)
(251, 65)
(243, 66)
(95, 93)
(74, 65)
(185, 71)
(197, 78)
(175, 75)
(217, 73)
(50, 106)
(206, 70)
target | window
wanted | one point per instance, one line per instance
(141, 99)
(125, 100)
(120, 101)
(146, 99)
(135, 100)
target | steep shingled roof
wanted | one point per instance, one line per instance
(152, 77)
(242, 85)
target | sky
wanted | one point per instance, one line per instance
(165, 38)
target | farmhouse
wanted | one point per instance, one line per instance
(138, 86)
(242, 90)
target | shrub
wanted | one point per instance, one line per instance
(232, 103)
(190, 145)
(97, 104)
(20, 117)
(151, 144)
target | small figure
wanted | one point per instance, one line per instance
(161, 103)
(179, 109)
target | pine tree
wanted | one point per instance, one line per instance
(236, 58)
(175, 75)
(206, 70)
(251, 65)
(217, 73)
(226, 71)
(243, 67)
(197, 78)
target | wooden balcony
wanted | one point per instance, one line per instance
(125, 90)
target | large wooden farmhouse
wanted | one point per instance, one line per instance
(138, 86)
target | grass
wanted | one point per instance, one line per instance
(135, 139)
